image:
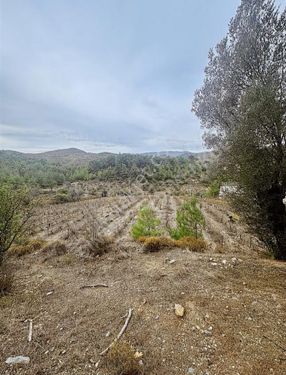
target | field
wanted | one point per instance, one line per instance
(233, 295)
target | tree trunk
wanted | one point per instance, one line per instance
(280, 253)
(277, 217)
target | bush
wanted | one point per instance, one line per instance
(147, 224)
(190, 221)
(6, 280)
(213, 189)
(62, 198)
(120, 360)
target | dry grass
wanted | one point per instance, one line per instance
(197, 245)
(153, 244)
(28, 248)
(100, 245)
(55, 248)
(120, 360)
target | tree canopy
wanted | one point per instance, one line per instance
(242, 107)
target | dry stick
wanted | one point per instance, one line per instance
(30, 330)
(94, 286)
(120, 333)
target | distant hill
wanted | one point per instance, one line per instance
(77, 157)
(69, 156)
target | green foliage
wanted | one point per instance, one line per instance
(189, 220)
(15, 211)
(149, 168)
(147, 224)
(242, 106)
(18, 169)
(213, 189)
(62, 198)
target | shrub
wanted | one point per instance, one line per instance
(62, 198)
(6, 280)
(189, 220)
(147, 224)
(120, 360)
(213, 189)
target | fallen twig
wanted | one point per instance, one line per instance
(120, 333)
(30, 334)
(94, 286)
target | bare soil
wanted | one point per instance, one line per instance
(234, 299)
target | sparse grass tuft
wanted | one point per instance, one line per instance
(120, 360)
(153, 244)
(197, 245)
(55, 248)
(28, 248)
(100, 245)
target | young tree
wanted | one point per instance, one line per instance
(190, 221)
(147, 224)
(15, 211)
(242, 106)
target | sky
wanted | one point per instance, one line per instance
(105, 75)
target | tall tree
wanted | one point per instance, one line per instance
(242, 106)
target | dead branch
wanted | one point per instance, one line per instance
(123, 329)
(94, 286)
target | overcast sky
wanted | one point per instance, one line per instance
(105, 75)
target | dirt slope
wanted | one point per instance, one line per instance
(234, 322)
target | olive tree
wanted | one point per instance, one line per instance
(242, 104)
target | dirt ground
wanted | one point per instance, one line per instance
(234, 300)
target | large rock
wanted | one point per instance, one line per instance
(19, 359)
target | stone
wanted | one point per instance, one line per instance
(19, 359)
(138, 355)
(172, 261)
(191, 370)
(179, 310)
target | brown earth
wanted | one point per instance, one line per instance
(234, 299)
